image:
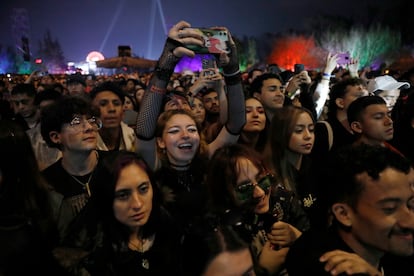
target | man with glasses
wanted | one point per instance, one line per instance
(70, 125)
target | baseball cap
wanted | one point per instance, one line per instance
(385, 83)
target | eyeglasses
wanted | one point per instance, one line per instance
(78, 123)
(245, 191)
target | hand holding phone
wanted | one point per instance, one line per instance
(298, 67)
(215, 41)
(343, 58)
(209, 66)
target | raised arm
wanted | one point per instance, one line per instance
(322, 88)
(236, 105)
(151, 104)
(216, 80)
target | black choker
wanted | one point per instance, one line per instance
(179, 166)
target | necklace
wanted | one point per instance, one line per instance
(86, 184)
(145, 261)
(143, 246)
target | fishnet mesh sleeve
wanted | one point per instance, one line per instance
(152, 101)
(149, 110)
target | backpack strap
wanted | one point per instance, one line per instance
(329, 131)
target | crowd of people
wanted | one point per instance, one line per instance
(220, 172)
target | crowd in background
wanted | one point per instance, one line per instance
(214, 172)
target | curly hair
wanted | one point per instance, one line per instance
(341, 182)
(61, 112)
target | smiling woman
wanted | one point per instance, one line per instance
(171, 142)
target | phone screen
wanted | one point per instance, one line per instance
(215, 42)
(343, 58)
(298, 68)
(208, 65)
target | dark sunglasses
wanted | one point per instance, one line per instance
(245, 191)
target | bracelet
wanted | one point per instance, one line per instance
(326, 75)
(232, 74)
(156, 89)
(233, 79)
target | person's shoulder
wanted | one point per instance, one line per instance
(323, 139)
(309, 238)
(306, 251)
(130, 117)
(54, 168)
(397, 265)
(126, 128)
(34, 132)
(102, 154)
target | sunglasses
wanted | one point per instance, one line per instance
(244, 192)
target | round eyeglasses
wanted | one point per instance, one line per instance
(78, 123)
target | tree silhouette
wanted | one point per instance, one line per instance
(51, 54)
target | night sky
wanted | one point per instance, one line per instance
(82, 26)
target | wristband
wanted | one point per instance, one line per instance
(326, 75)
(156, 89)
(234, 79)
(232, 74)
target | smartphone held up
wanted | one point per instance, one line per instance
(298, 67)
(343, 58)
(215, 42)
(208, 64)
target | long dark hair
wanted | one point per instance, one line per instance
(221, 185)
(23, 191)
(277, 147)
(107, 175)
(261, 142)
